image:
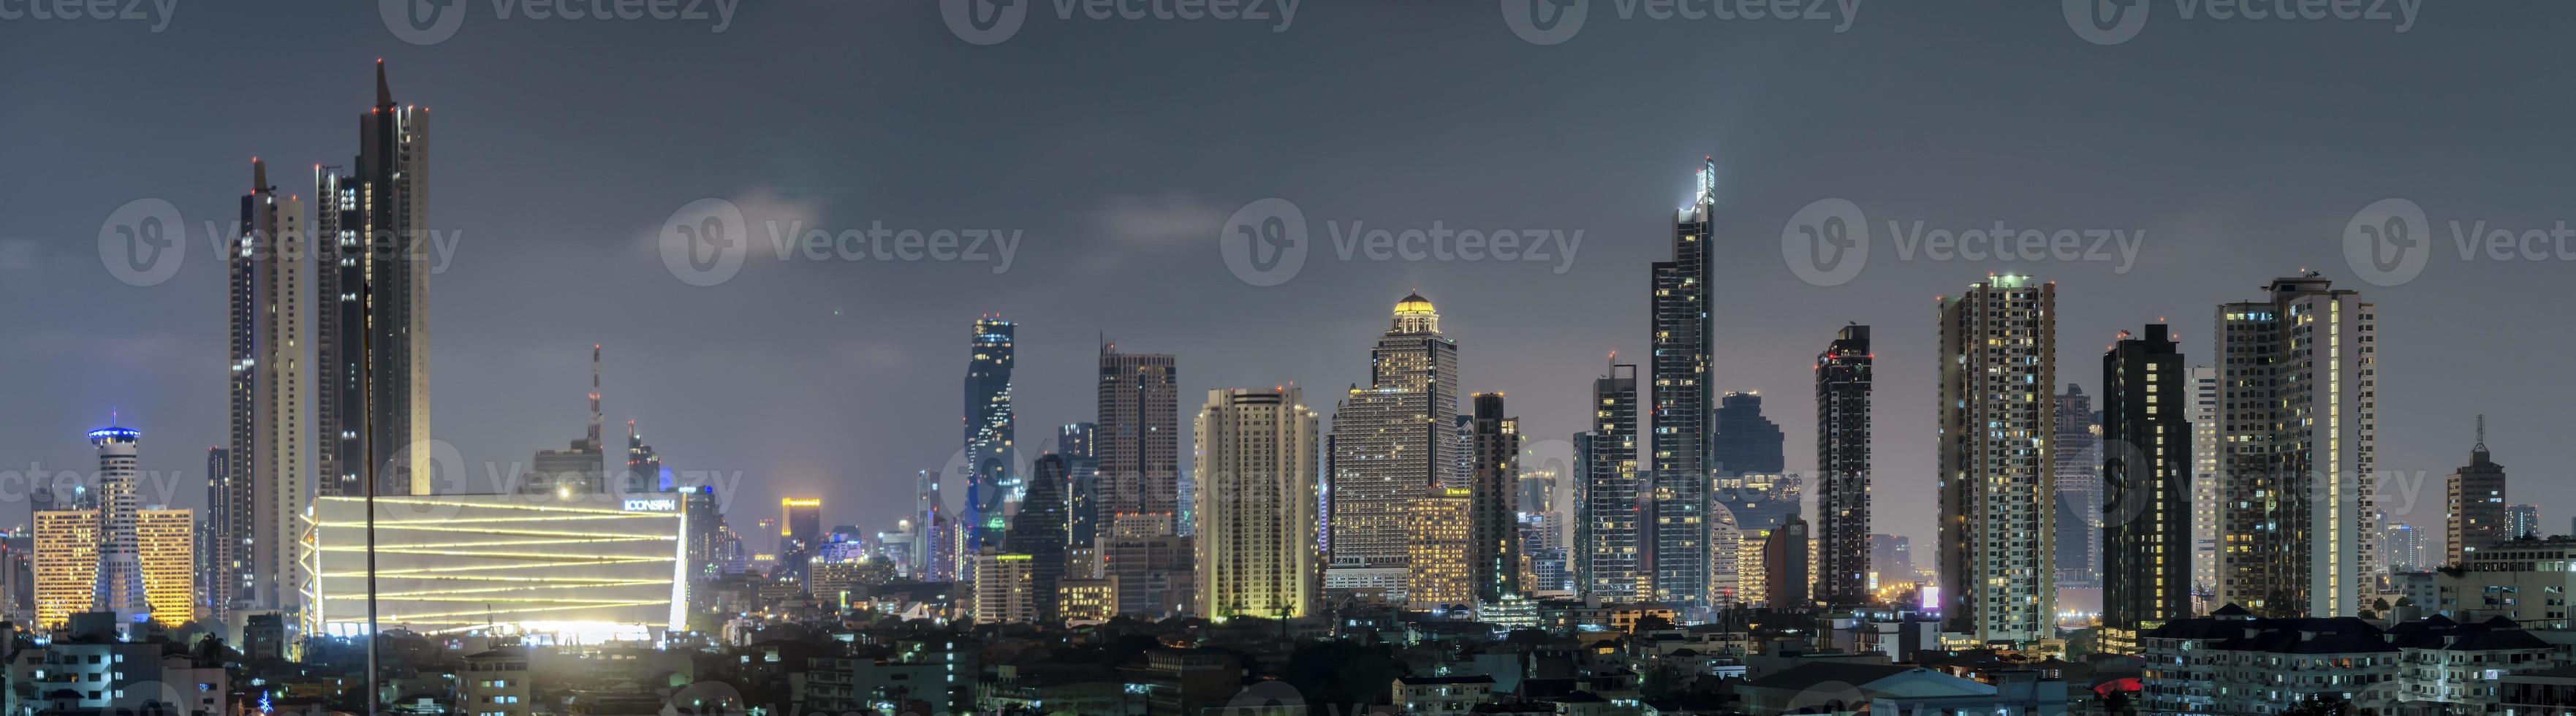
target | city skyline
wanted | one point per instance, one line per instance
(525, 387)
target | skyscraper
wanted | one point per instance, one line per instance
(1038, 531)
(1998, 360)
(1138, 434)
(2077, 467)
(120, 566)
(2297, 381)
(1074, 441)
(1438, 529)
(1494, 546)
(66, 564)
(165, 545)
(2402, 548)
(1750, 452)
(1608, 531)
(2522, 521)
(1682, 349)
(2146, 477)
(372, 340)
(1393, 441)
(1256, 462)
(262, 490)
(800, 531)
(2205, 491)
(219, 569)
(990, 485)
(2473, 507)
(643, 466)
(1843, 386)
(1784, 566)
(578, 469)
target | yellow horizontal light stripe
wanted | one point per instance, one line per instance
(514, 532)
(495, 613)
(497, 567)
(540, 556)
(525, 588)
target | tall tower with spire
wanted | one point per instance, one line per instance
(2474, 503)
(372, 342)
(1677, 556)
(120, 563)
(251, 518)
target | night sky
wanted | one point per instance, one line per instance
(1119, 148)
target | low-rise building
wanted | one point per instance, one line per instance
(1441, 695)
(2232, 662)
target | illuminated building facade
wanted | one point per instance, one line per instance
(1608, 559)
(1086, 600)
(120, 565)
(66, 565)
(372, 280)
(989, 432)
(800, 529)
(1074, 441)
(1137, 439)
(166, 542)
(252, 521)
(1998, 555)
(2205, 491)
(1256, 453)
(1005, 591)
(1438, 527)
(2146, 479)
(1392, 440)
(1683, 435)
(2298, 380)
(451, 563)
(1844, 379)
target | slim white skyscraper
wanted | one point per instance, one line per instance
(1998, 551)
(2204, 487)
(120, 565)
(1256, 466)
(260, 494)
(2298, 412)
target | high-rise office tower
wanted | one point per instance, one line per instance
(1256, 461)
(990, 486)
(2402, 548)
(1038, 531)
(576, 470)
(1138, 441)
(2474, 505)
(2146, 479)
(1749, 454)
(1438, 528)
(1998, 551)
(372, 338)
(2297, 385)
(120, 566)
(263, 489)
(2522, 521)
(800, 531)
(1494, 549)
(927, 508)
(1393, 441)
(166, 555)
(1609, 530)
(2204, 487)
(1784, 566)
(2077, 467)
(1679, 446)
(1081, 498)
(643, 466)
(1843, 389)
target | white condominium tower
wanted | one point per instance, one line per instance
(1998, 554)
(255, 512)
(2296, 415)
(1257, 496)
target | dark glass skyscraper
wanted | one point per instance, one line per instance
(2146, 478)
(1843, 386)
(1081, 494)
(989, 482)
(2078, 471)
(1608, 531)
(1750, 454)
(1038, 531)
(1494, 546)
(372, 344)
(1678, 557)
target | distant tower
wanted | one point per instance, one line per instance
(120, 565)
(2078, 470)
(1998, 360)
(2298, 413)
(253, 514)
(1393, 441)
(2205, 490)
(1074, 441)
(1494, 549)
(1681, 363)
(1843, 388)
(989, 433)
(2475, 497)
(1038, 531)
(372, 336)
(2146, 478)
(1255, 543)
(1609, 529)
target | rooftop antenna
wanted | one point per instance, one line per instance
(594, 397)
(2482, 434)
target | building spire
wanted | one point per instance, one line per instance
(2481, 447)
(384, 92)
(594, 399)
(258, 176)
